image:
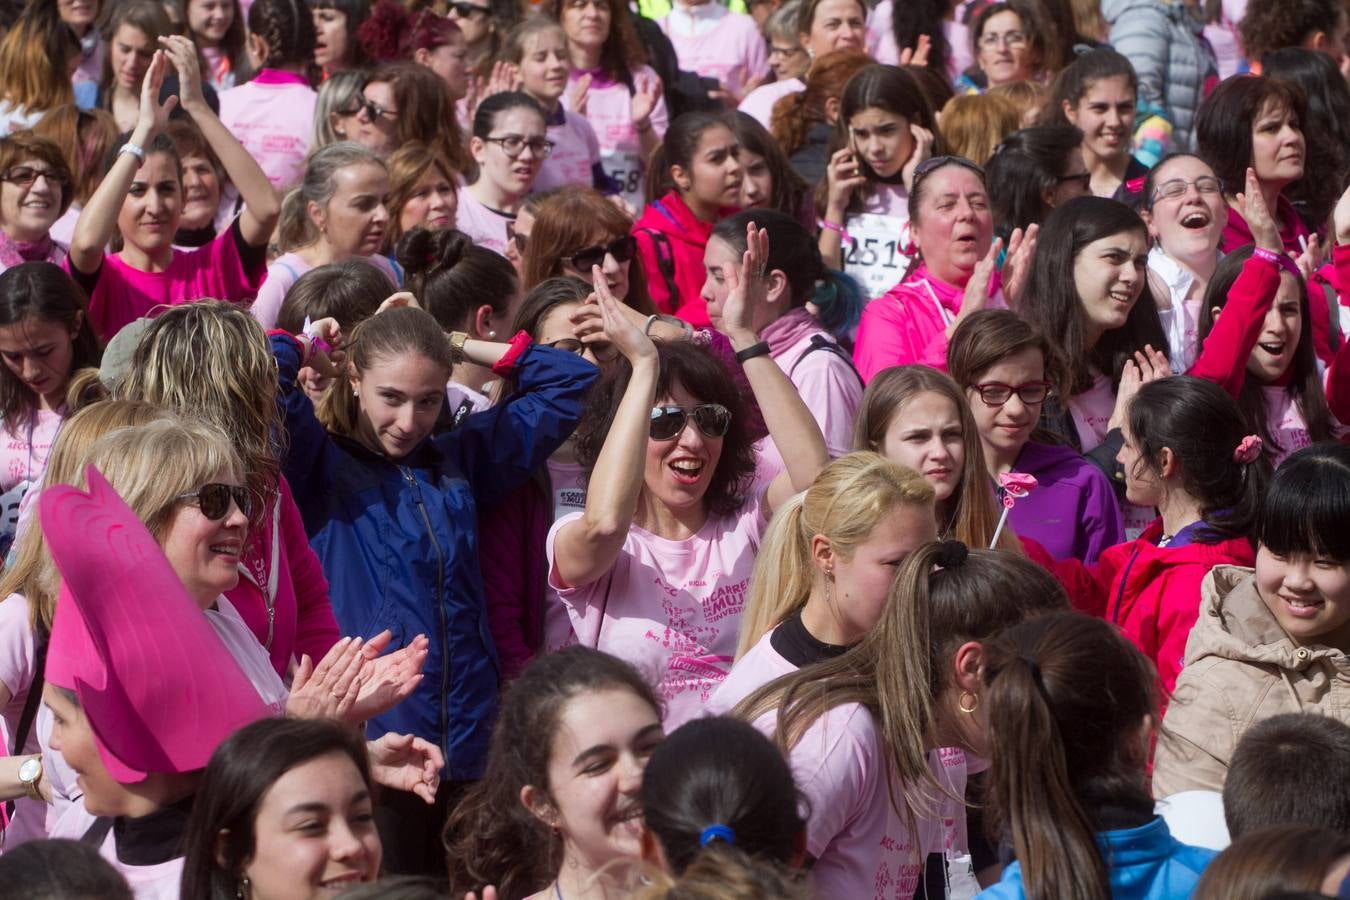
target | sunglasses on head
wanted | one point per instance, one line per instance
(933, 163)
(622, 249)
(214, 499)
(712, 419)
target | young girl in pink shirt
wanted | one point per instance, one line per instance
(717, 43)
(510, 143)
(217, 28)
(668, 458)
(537, 48)
(879, 787)
(273, 114)
(612, 86)
(141, 199)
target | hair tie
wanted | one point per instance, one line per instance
(825, 293)
(1035, 669)
(1248, 450)
(952, 554)
(431, 257)
(1135, 185)
(717, 833)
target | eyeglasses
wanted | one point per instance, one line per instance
(933, 163)
(601, 350)
(1014, 39)
(374, 110)
(23, 176)
(622, 249)
(712, 419)
(214, 499)
(1084, 178)
(514, 144)
(465, 10)
(1171, 190)
(995, 393)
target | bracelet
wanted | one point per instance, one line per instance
(668, 320)
(1281, 260)
(644, 129)
(827, 225)
(647, 326)
(457, 339)
(760, 349)
(132, 150)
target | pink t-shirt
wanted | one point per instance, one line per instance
(23, 459)
(123, 294)
(760, 665)
(18, 658)
(575, 151)
(282, 275)
(1287, 425)
(273, 117)
(609, 109)
(1091, 411)
(568, 481)
(881, 38)
(671, 608)
(486, 226)
(717, 43)
(759, 103)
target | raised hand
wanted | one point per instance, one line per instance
(504, 77)
(489, 893)
(326, 363)
(1312, 257)
(153, 117)
(1252, 206)
(1017, 264)
(407, 763)
(578, 94)
(976, 295)
(399, 300)
(748, 291)
(623, 333)
(923, 149)
(1147, 365)
(182, 55)
(328, 690)
(388, 680)
(918, 54)
(844, 176)
(644, 101)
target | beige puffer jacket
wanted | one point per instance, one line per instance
(1241, 667)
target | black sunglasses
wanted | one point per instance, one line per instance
(622, 249)
(713, 419)
(464, 10)
(602, 351)
(214, 499)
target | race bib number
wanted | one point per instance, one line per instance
(874, 254)
(625, 167)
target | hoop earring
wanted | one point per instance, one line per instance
(961, 702)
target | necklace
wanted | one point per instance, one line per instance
(557, 890)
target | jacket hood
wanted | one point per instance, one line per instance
(1236, 624)
(670, 216)
(1113, 10)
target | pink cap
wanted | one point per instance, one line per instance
(156, 682)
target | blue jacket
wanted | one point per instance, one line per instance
(398, 539)
(1144, 863)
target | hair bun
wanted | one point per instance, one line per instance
(952, 554)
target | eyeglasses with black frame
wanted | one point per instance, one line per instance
(514, 144)
(995, 393)
(23, 176)
(214, 499)
(712, 419)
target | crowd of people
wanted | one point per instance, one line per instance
(580, 449)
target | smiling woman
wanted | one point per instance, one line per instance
(132, 35)
(35, 191)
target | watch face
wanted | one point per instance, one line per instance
(30, 770)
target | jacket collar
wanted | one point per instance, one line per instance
(1236, 624)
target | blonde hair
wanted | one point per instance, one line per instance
(724, 873)
(972, 511)
(1026, 96)
(846, 501)
(32, 573)
(974, 124)
(296, 229)
(211, 360)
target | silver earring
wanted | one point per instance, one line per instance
(492, 334)
(242, 890)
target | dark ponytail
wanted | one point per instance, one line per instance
(678, 148)
(1203, 427)
(1066, 697)
(451, 276)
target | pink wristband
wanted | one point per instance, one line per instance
(838, 229)
(1280, 259)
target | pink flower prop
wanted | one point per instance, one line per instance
(1016, 485)
(1249, 451)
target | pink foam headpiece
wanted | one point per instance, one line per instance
(158, 686)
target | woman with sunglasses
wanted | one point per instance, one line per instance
(467, 288)
(509, 144)
(339, 103)
(669, 460)
(952, 233)
(484, 23)
(403, 102)
(1008, 370)
(271, 114)
(35, 191)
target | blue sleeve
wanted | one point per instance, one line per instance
(603, 182)
(307, 451)
(497, 449)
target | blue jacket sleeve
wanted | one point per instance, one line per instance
(498, 448)
(307, 450)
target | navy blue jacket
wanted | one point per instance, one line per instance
(398, 539)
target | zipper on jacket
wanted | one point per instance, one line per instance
(440, 604)
(1124, 577)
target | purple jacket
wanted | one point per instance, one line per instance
(1072, 512)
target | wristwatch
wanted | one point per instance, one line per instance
(30, 773)
(457, 339)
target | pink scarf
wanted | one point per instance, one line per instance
(14, 253)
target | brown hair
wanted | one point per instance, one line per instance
(33, 60)
(567, 222)
(407, 166)
(22, 145)
(795, 115)
(425, 112)
(84, 136)
(974, 124)
(989, 336)
(1068, 699)
(146, 15)
(1271, 861)
(1034, 26)
(972, 510)
(943, 595)
(622, 53)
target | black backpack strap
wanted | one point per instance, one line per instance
(665, 261)
(821, 342)
(1334, 336)
(98, 831)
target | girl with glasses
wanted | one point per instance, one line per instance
(35, 191)
(1008, 371)
(670, 460)
(273, 114)
(952, 235)
(510, 143)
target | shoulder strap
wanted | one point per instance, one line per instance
(1334, 336)
(821, 342)
(665, 261)
(97, 831)
(30, 708)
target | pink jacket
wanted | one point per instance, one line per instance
(279, 563)
(677, 259)
(909, 325)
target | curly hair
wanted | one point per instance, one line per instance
(704, 377)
